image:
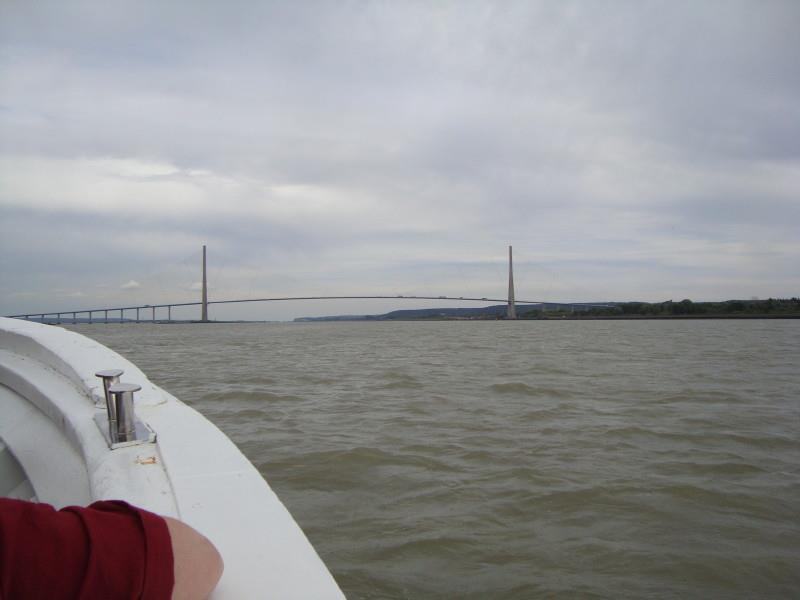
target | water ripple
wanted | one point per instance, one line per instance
(514, 460)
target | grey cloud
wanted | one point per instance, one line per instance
(437, 132)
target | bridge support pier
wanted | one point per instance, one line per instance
(204, 308)
(512, 308)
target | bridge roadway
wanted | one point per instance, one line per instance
(41, 316)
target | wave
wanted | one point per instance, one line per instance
(246, 397)
(523, 389)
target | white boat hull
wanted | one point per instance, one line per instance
(49, 397)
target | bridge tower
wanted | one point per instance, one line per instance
(512, 309)
(204, 311)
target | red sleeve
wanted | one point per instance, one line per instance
(109, 550)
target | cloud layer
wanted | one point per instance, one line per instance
(627, 150)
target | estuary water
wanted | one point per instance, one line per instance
(528, 459)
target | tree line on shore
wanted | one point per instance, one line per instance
(743, 308)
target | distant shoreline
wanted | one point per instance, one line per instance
(435, 319)
(553, 318)
(548, 311)
(662, 317)
(772, 308)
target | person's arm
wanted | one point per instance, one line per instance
(196, 562)
(107, 550)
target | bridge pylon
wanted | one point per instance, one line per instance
(512, 309)
(204, 309)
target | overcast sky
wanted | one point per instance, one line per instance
(628, 151)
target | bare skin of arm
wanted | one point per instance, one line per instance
(197, 563)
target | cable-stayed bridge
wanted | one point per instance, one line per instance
(162, 312)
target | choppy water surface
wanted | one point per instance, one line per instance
(599, 459)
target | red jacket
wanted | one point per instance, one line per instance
(107, 551)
